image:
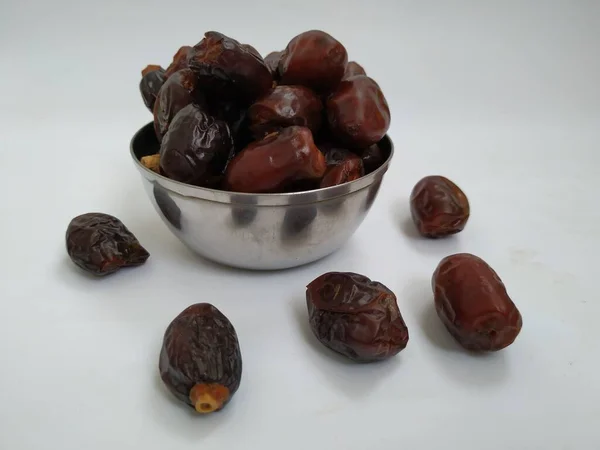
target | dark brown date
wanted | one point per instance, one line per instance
(355, 316)
(153, 77)
(196, 148)
(438, 207)
(358, 112)
(272, 62)
(275, 162)
(372, 158)
(180, 60)
(101, 244)
(313, 59)
(342, 166)
(285, 106)
(200, 359)
(177, 92)
(472, 302)
(353, 68)
(229, 69)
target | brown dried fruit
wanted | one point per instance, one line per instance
(313, 59)
(472, 302)
(101, 244)
(353, 68)
(276, 162)
(200, 359)
(176, 93)
(355, 316)
(438, 207)
(342, 166)
(272, 62)
(153, 77)
(372, 158)
(180, 60)
(358, 112)
(285, 106)
(196, 148)
(228, 69)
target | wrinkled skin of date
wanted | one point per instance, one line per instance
(472, 302)
(358, 113)
(438, 207)
(342, 166)
(272, 62)
(355, 316)
(229, 69)
(200, 359)
(285, 106)
(372, 158)
(353, 68)
(180, 60)
(176, 93)
(196, 148)
(101, 244)
(153, 77)
(276, 162)
(313, 59)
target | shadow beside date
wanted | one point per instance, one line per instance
(355, 316)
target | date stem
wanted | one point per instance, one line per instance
(208, 398)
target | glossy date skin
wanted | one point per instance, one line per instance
(180, 60)
(372, 158)
(229, 69)
(473, 304)
(200, 359)
(285, 106)
(358, 112)
(314, 59)
(353, 68)
(342, 166)
(196, 148)
(355, 316)
(438, 207)
(272, 62)
(101, 244)
(153, 77)
(276, 162)
(178, 91)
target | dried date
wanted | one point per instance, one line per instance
(177, 92)
(438, 207)
(200, 359)
(101, 244)
(180, 60)
(272, 62)
(196, 148)
(473, 304)
(342, 166)
(372, 158)
(153, 77)
(358, 113)
(355, 316)
(285, 106)
(313, 59)
(353, 68)
(276, 162)
(229, 69)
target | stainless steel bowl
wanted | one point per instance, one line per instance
(258, 231)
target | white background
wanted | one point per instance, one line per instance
(501, 97)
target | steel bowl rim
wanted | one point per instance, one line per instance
(260, 199)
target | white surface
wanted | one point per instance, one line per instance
(504, 98)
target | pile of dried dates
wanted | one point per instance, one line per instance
(305, 116)
(298, 119)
